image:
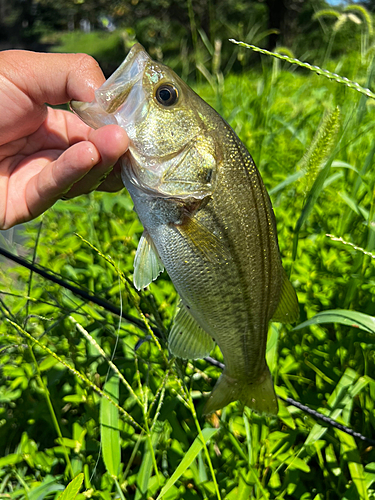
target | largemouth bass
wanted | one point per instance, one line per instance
(207, 218)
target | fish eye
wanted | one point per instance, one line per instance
(166, 94)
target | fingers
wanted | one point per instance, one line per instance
(28, 80)
(52, 78)
(44, 154)
(78, 170)
(111, 142)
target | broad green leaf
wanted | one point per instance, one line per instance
(11, 459)
(47, 363)
(361, 383)
(69, 443)
(353, 319)
(109, 427)
(72, 489)
(188, 458)
(275, 481)
(285, 415)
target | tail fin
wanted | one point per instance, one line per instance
(259, 396)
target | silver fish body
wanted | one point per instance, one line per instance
(208, 219)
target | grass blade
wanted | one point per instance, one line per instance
(353, 319)
(286, 182)
(109, 427)
(339, 402)
(145, 471)
(191, 454)
(310, 202)
(119, 490)
(48, 486)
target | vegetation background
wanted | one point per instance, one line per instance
(313, 140)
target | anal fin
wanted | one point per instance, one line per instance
(147, 263)
(187, 339)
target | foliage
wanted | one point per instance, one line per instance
(55, 347)
(171, 30)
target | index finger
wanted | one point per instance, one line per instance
(52, 78)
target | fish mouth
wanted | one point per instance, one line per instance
(114, 92)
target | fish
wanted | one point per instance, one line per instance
(208, 220)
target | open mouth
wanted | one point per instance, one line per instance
(114, 92)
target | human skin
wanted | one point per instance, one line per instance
(47, 153)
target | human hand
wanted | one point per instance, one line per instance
(48, 153)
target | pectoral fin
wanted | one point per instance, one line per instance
(287, 310)
(203, 240)
(187, 339)
(147, 263)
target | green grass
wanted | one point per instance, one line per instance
(107, 48)
(156, 439)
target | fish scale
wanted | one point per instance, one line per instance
(208, 219)
(247, 263)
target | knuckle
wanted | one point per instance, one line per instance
(86, 62)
